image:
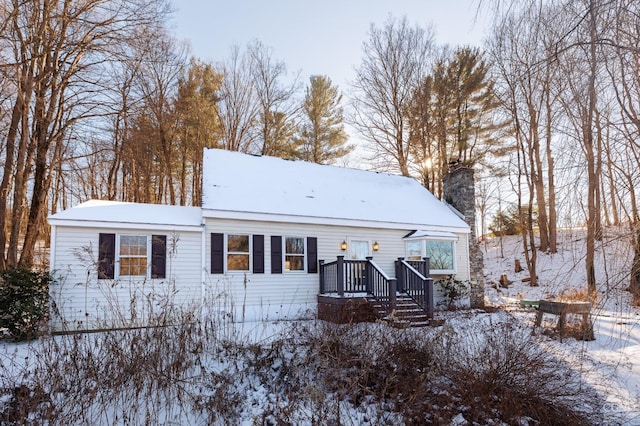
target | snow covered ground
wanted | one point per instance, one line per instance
(611, 362)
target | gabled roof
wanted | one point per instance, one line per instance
(114, 214)
(243, 186)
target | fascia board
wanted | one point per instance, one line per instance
(125, 225)
(266, 217)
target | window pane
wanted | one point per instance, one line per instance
(238, 262)
(294, 245)
(238, 243)
(294, 263)
(414, 250)
(133, 266)
(440, 254)
(133, 245)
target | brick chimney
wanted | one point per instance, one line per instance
(459, 192)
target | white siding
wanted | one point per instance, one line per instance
(81, 301)
(291, 295)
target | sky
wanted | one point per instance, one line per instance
(316, 37)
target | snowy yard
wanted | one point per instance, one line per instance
(610, 363)
(469, 371)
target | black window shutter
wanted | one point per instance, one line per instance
(312, 255)
(158, 256)
(106, 256)
(276, 254)
(217, 253)
(258, 254)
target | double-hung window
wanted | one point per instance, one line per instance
(129, 255)
(238, 252)
(133, 255)
(294, 254)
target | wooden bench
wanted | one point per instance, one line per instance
(562, 309)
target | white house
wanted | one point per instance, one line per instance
(256, 248)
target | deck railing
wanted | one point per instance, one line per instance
(358, 276)
(413, 279)
(343, 276)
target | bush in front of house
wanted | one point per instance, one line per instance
(211, 370)
(453, 291)
(24, 301)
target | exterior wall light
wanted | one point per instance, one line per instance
(376, 246)
(343, 246)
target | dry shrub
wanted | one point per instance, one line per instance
(572, 294)
(140, 376)
(499, 372)
(503, 372)
(313, 372)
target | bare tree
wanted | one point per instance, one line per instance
(587, 114)
(52, 53)
(154, 123)
(623, 158)
(238, 108)
(396, 61)
(522, 47)
(276, 103)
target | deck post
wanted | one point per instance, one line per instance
(426, 267)
(321, 277)
(340, 275)
(393, 282)
(400, 274)
(368, 275)
(428, 296)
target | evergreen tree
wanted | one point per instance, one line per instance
(322, 138)
(198, 127)
(452, 117)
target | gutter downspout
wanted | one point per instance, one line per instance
(202, 268)
(52, 258)
(468, 262)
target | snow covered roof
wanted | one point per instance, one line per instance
(237, 185)
(100, 213)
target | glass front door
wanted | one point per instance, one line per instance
(359, 250)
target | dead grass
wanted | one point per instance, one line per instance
(312, 372)
(572, 294)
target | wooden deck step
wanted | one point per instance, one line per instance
(407, 313)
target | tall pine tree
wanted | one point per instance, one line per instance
(322, 138)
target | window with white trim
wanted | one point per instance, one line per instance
(439, 249)
(294, 254)
(238, 252)
(441, 255)
(414, 250)
(132, 255)
(129, 255)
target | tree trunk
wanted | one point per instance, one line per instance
(7, 175)
(552, 223)
(634, 285)
(587, 131)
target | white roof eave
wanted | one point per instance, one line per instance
(270, 217)
(124, 225)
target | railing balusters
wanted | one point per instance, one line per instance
(414, 275)
(353, 276)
